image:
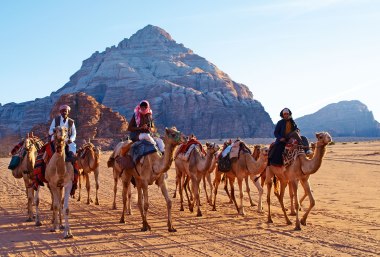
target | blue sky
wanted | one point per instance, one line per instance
(299, 54)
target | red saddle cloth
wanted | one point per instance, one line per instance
(184, 147)
(40, 165)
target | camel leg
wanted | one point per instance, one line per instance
(181, 182)
(66, 210)
(56, 207)
(165, 193)
(232, 180)
(204, 186)
(209, 199)
(248, 190)
(126, 187)
(140, 205)
(281, 199)
(61, 201)
(37, 203)
(29, 196)
(80, 178)
(307, 189)
(146, 226)
(226, 188)
(304, 196)
(115, 179)
(261, 191)
(129, 197)
(96, 175)
(294, 185)
(185, 187)
(268, 182)
(88, 187)
(241, 194)
(195, 184)
(217, 179)
(292, 199)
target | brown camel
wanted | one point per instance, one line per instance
(25, 170)
(151, 169)
(121, 149)
(59, 174)
(195, 169)
(255, 154)
(245, 165)
(299, 170)
(88, 161)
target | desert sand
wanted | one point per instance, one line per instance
(344, 222)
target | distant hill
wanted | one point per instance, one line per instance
(342, 119)
(184, 89)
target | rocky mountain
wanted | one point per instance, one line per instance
(343, 119)
(184, 89)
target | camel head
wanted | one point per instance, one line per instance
(174, 137)
(29, 143)
(212, 147)
(60, 135)
(323, 138)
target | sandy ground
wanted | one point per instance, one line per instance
(344, 222)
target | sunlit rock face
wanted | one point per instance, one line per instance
(184, 89)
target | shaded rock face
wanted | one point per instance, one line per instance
(184, 89)
(93, 121)
(343, 119)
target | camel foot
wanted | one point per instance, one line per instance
(175, 195)
(96, 202)
(191, 209)
(88, 202)
(78, 200)
(68, 236)
(270, 220)
(38, 223)
(181, 209)
(113, 206)
(61, 227)
(122, 220)
(303, 222)
(292, 213)
(199, 213)
(29, 220)
(172, 229)
(231, 201)
(298, 227)
(214, 209)
(128, 213)
(288, 222)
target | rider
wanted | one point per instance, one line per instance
(285, 129)
(63, 120)
(142, 127)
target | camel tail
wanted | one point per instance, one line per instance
(276, 186)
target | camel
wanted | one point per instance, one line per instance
(300, 170)
(242, 167)
(59, 174)
(88, 163)
(25, 170)
(151, 169)
(121, 149)
(254, 178)
(195, 168)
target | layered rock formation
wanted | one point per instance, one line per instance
(343, 119)
(183, 88)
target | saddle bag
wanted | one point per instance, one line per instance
(15, 161)
(224, 163)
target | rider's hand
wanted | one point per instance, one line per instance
(69, 141)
